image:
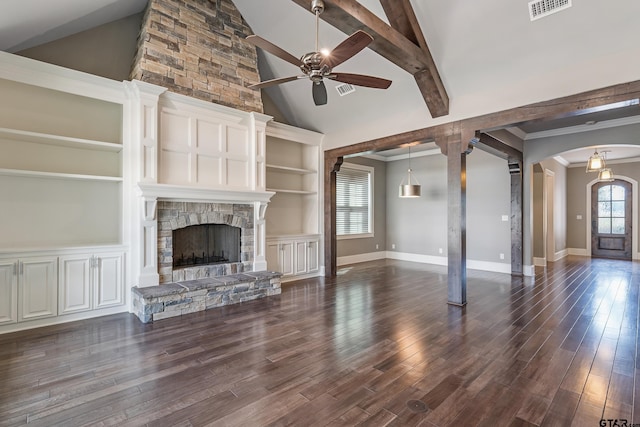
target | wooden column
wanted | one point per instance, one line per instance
(515, 171)
(331, 167)
(457, 150)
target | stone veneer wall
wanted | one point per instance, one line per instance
(175, 215)
(197, 48)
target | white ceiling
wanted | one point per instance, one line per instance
(489, 55)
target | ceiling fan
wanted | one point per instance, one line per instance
(317, 66)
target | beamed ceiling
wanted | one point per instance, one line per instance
(448, 60)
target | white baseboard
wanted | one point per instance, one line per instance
(539, 262)
(496, 267)
(354, 259)
(424, 259)
(529, 270)
(577, 251)
(560, 254)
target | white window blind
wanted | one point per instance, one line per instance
(354, 202)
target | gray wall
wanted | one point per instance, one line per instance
(106, 51)
(488, 199)
(419, 226)
(537, 150)
(577, 181)
(559, 209)
(347, 247)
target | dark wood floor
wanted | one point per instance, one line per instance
(376, 346)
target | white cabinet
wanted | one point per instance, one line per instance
(75, 284)
(8, 291)
(293, 218)
(37, 288)
(294, 255)
(313, 255)
(109, 285)
(280, 257)
(88, 282)
(28, 289)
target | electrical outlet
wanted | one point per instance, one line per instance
(377, 246)
(578, 216)
(501, 256)
(439, 250)
(393, 246)
(505, 218)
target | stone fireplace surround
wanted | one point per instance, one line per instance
(176, 215)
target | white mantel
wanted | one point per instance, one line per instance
(180, 193)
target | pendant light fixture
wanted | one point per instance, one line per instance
(409, 190)
(595, 163)
(605, 174)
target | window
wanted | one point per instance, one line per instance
(611, 209)
(354, 201)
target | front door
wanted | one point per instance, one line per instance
(611, 220)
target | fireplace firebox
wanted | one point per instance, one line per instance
(206, 244)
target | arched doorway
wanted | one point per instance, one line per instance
(611, 219)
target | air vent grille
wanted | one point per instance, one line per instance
(345, 89)
(541, 8)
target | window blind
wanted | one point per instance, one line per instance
(353, 201)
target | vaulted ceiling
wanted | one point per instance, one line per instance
(473, 57)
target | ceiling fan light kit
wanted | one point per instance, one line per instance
(317, 66)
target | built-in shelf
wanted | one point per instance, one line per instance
(61, 141)
(281, 190)
(287, 169)
(56, 175)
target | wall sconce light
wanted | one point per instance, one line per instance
(409, 190)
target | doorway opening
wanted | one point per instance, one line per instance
(611, 220)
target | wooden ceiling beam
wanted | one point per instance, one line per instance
(409, 53)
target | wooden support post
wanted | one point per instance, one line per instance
(515, 171)
(457, 149)
(331, 167)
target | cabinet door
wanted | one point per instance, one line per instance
(37, 288)
(8, 291)
(75, 284)
(273, 256)
(300, 258)
(312, 256)
(286, 258)
(109, 280)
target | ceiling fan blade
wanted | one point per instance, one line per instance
(274, 82)
(361, 80)
(345, 50)
(274, 50)
(319, 91)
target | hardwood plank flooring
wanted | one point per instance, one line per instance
(375, 346)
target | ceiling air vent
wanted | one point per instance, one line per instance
(345, 89)
(541, 8)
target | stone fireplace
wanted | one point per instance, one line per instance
(200, 255)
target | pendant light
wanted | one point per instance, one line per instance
(409, 190)
(595, 163)
(605, 174)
